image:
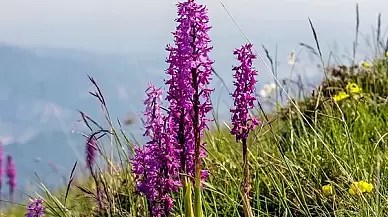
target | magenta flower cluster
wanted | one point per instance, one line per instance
(244, 97)
(190, 73)
(35, 209)
(1, 166)
(10, 172)
(175, 137)
(156, 165)
(90, 150)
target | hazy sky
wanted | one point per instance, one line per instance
(130, 25)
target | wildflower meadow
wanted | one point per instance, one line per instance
(324, 154)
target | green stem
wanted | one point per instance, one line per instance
(246, 204)
(188, 198)
(197, 196)
(197, 143)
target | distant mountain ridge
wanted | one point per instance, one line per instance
(41, 91)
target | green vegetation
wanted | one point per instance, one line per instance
(289, 160)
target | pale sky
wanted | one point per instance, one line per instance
(131, 25)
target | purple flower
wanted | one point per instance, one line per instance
(90, 151)
(175, 138)
(156, 165)
(11, 173)
(35, 209)
(242, 120)
(1, 166)
(189, 71)
(244, 98)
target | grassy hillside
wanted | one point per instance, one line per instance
(291, 158)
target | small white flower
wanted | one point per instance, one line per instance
(263, 93)
(292, 58)
(267, 90)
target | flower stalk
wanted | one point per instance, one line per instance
(243, 122)
(156, 164)
(188, 95)
(11, 173)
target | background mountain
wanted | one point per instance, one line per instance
(40, 93)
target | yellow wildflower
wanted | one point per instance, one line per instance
(365, 64)
(327, 190)
(368, 187)
(340, 96)
(386, 54)
(357, 188)
(353, 88)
